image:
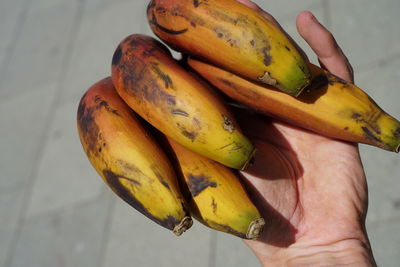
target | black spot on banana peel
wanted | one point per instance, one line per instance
(198, 183)
(90, 130)
(178, 103)
(233, 36)
(117, 56)
(128, 159)
(113, 180)
(329, 106)
(215, 195)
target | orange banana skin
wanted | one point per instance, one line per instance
(214, 194)
(232, 35)
(329, 106)
(127, 158)
(176, 102)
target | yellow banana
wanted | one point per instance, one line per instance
(127, 158)
(176, 102)
(230, 34)
(329, 106)
(215, 195)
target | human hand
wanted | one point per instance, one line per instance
(311, 190)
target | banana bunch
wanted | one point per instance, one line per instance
(168, 144)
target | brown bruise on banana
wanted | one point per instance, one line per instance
(101, 103)
(134, 171)
(194, 20)
(90, 131)
(113, 180)
(222, 33)
(263, 47)
(199, 183)
(163, 76)
(192, 135)
(138, 77)
(214, 205)
(117, 56)
(88, 126)
(369, 121)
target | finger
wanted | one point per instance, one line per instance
(270, 18)
(330, 55)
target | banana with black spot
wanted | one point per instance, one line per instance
(329, 106)
(232, 35)
(128, 159)
(176, 102)
(215, 195)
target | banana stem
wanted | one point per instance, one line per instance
(184, 225)
(255, 229)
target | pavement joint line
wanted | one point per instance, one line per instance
(107, 231)
(383, 60)
(45, 132)
(212, 258)
(326, 7)
(10, 49)
(63, 208)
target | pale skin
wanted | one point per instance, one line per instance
(310, 189)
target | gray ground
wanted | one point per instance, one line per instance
(55, 210)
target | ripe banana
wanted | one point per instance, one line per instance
(215, 195)
(230, 34)
(329, 106)
(176, 102)
(127, 158)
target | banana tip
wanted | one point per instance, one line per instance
(183, 226)
(255, 229)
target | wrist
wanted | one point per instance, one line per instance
(344, 253)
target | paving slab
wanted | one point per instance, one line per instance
(39, 51)
(103, 27)
(69, 237)
(23, 119)
(232, 251)
(65, 176)
(11, 203)
(12, 14)
(136, 241)
(386, 242)
(367, 30)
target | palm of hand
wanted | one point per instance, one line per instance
(310, 189)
